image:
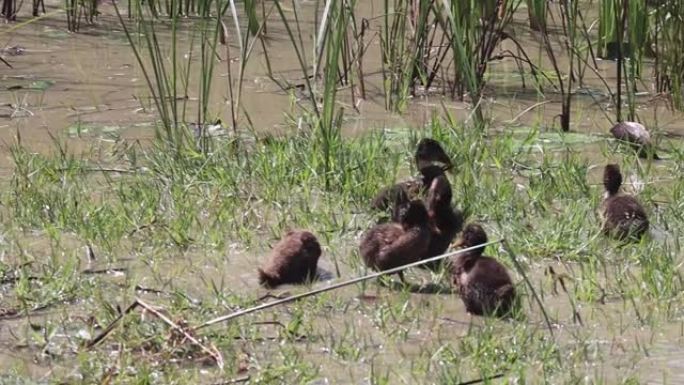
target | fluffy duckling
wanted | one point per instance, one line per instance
(428, 151)
(635, 134)
(622, 215)
(293, 260)
(390, 245)
(446, 222)
(482, 282)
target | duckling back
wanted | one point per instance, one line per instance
(624, 217)
(294, 259)
(390, 245)
(375, 243)
(395, 195)
(484, 285)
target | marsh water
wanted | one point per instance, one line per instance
(87, 89)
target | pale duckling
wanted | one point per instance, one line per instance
(636, 135)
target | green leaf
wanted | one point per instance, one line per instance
(40, 85)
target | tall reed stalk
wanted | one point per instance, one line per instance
(246, 43)
(573, 34)
(623, 35)
(9, 10)
(669, 35)
(475, 30)
(168, 76)
(326, 117)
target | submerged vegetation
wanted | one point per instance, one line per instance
(112, 260)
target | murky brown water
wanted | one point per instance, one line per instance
(87, 88)
(91, 79)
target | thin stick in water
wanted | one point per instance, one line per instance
(109, 328)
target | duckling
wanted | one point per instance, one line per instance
(636, 135)
(446, 222)
(390, 245)
(622, 215)
(428, 151)
(482, 282)
(294, 259)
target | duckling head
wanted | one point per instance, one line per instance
(472, 235)
(428, 151)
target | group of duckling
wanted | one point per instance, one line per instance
(423, 224)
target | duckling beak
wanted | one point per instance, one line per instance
(443, 158)
(446, 163)
(456, 244)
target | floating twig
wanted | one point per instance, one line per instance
(213, 352)
(483, 379)
(236, 380)
(111, 270)
(150, 290)
(143, 227)
(111, 326)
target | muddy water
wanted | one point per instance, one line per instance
(89, 85)
(610, 335)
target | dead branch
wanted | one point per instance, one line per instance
(213, 352)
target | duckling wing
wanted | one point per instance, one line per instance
(395, 195)
(490, 273)
(407, 248)
(624, 216)
(376, 239)
(487, 288)
(624, 208)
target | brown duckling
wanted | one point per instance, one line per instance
(293, 260)
(622, 215)
(402, 193)
(636, 135)
(390, 245)
(428, 151)
(482, 282)
(446, 221)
